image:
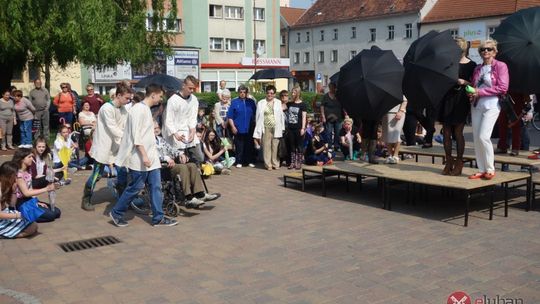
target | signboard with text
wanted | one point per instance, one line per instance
(275, 62)
(475, 33)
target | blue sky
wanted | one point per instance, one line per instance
(301, 3)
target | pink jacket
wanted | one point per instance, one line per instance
(499, 79)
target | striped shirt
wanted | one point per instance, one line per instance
(10, 228)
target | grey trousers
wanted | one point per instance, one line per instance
(7, 131)
(43, 117)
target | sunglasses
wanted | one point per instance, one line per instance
(486, 49)
(64, 87)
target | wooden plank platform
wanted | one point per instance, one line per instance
(429, 175)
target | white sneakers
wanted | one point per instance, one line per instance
(391, 160)
(249, 165)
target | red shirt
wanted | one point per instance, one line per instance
(95, 102)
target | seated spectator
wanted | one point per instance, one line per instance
(12, 224)
(24, 159)
(320, 153)
(349, 139)
(216, 152)
(64, 140)
(42, 162)
(189, 173)
(87, 120)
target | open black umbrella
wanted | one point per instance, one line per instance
(431, 69)
(518, 38)
(370, 84)
(271, 74)
(335, 78)
(169, 83)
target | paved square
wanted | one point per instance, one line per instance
(263, 243)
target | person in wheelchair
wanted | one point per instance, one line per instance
(188, 172)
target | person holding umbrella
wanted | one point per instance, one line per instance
(453, 113)
(491, 81)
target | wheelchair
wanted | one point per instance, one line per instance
(173, 194)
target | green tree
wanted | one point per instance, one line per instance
(93, 32)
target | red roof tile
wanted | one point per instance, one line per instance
(291, 14)
(446, 10)
(325, 11)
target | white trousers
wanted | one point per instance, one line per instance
(483, 121)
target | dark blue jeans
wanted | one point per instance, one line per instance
(332, 129)
(26, 132)
(137, 181)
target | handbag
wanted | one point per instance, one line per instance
(30, 210)
(507, 105)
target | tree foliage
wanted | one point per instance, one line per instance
(93, 32)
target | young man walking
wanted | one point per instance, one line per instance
(138, 152)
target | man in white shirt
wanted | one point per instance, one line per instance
(106, 141)
(138, 152)
(181, 120)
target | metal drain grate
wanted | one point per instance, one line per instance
(89, 243)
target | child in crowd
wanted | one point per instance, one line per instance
(214, 151)
(350, 140)
(63, 140)
(12, 224)
(321, 154)
(380, 149)
(42, 163)
(24, 158)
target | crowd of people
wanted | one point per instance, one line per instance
(136, 138)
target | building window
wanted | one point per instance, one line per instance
(390, 32)
(353, 32)
(333, 56)
(335, 34)
(322, 35)
(258, 14)
(298, 37)
(216, 44)
(408, 30)
(307, 37)
(234, 12)
(372, 34)
(216, 11)
(283, 40)
(234, 44)
(174, 25)
(454, 33)
(353, 53)
(306, 57)
(296, 58)
(259, 46)
(491, 30)
(321, 57)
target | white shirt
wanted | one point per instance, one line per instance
(180, 116)
(108, 133)
(139, 132)
(59, 143)
(484, 81)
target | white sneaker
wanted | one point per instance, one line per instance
(388, 160)
(251, 165)
(396, 159)
(72, 170)
(239, 166)
(210, 197)
(194, 203)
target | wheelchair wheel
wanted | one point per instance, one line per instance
(172, 209)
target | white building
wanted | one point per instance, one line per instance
(330, 33)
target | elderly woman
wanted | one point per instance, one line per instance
(392, 124)
(220, 112)
(25, 112)
(87, 119)
(269, 124)
(7, 120)
(490, 80)
(453, 113)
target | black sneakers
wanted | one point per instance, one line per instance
(118, 222)
(165, 221)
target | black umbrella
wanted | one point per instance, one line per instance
(369, 85)
(431, 69)
(271, 74)
(169, 83)
(518, 38)
(335, 78)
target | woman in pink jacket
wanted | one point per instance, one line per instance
(491, 81)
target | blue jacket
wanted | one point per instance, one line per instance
(242, 113)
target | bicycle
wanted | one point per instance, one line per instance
(535, 121)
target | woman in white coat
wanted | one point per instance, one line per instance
(269, 125)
